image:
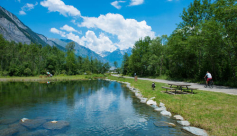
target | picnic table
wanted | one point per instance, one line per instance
(179, 87)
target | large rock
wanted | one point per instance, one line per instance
(166, 113)
(178, 117)
(152, 98)
(138, 94)
(184, 123)
(164, 124)
(56, 125)
(8, 121)
(143, 100)
(154, 106)
(42, 132)
(162, 104)
(18, 127)
(151, 102)
(195, 131)
(33, 123)
(8, 132)
(160, 109)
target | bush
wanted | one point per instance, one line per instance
(79, 72)
(70, 73)
(64, 72)
(5, 73)
(88, 73)
(27, 72)
(35, 73)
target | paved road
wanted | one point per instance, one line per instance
(223, 89)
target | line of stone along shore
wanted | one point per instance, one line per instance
(163, 111)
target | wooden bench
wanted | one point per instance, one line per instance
(169, 88)
(192, 89)
(189, 88)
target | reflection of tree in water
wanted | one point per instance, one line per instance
(20, 93)
(115, 85)
(126, 92)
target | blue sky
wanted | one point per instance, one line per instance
(101, 25)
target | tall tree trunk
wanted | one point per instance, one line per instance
(161, 65)
(1, 63)
(232, 68)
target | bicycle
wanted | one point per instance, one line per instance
(210, 83)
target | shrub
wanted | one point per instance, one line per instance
(79, 72)
(27, 72)
(88, 73)
(5, 73)
(64, 72)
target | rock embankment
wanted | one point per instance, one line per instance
(163, 111)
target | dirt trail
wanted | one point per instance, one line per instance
(223, 89)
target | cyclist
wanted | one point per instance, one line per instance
(209, 77)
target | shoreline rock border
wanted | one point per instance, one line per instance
(162, 109)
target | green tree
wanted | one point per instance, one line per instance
(115, 64)
(125, 64)
(70, 59)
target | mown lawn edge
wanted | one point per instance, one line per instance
(215, 112)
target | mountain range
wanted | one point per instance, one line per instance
(13, 29)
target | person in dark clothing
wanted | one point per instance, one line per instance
(153, 86)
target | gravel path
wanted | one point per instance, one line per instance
(223, 89)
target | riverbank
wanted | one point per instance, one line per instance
(54, 78)
(216, 88)
(214, 112)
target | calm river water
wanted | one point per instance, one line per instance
(95, 107)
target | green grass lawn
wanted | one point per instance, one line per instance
(212, 111)
(54, 78)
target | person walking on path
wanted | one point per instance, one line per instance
(135, 76)
(208, 76)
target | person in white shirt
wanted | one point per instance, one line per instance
(209, 77)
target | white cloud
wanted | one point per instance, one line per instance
(116, 4)
(70, 29)
(98, 44)
(22, 12)
(128, 31)
(59, 6)
(136, 2)
(91, 41)
(27, 7)
(56, 31)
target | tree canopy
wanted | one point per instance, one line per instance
(204, 41)
(19, 59)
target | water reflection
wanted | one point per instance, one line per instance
(94, 107)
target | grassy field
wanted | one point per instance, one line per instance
(54, 78)
(214, 112)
